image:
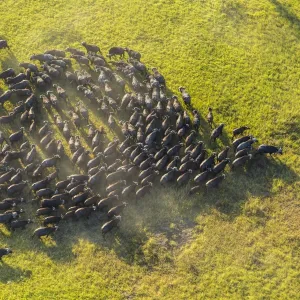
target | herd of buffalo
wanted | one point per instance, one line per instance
(157, 140)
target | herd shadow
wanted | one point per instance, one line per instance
(166, 210)
(10, 274)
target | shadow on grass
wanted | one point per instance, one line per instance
(287, 14)
(8, 59)
(9, 274)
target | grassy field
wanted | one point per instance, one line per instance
(241, 242)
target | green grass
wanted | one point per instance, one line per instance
(242, 241)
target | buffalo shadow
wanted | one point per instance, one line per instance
(10, 274)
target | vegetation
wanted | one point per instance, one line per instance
(242, 241)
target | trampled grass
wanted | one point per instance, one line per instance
(242, 241)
